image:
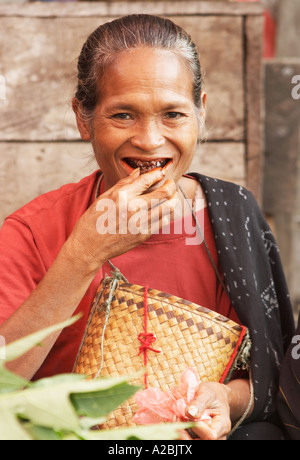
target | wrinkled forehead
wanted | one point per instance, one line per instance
(143, 69)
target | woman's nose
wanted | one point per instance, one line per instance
(148, 137)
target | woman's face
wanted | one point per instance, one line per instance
(145, 116)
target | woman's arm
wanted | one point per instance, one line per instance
(60, 291)
(54, 300)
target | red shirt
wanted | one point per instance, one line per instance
(31, 238)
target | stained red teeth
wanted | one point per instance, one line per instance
(146, 166)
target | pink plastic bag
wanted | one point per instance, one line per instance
(156, 406)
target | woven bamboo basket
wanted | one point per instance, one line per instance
(187, 335)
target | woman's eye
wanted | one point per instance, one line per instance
(122, 116)
(174, 115)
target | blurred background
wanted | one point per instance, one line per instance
(250, 53)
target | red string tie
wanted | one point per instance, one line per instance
(146, 340)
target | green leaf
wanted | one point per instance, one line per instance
(161, 431)
(99, 404)
(165, 431)
(20, 347)
(65, 406)
(9, 381)
(40, 433)
(89, 422)
(49, 405)
(57, 379)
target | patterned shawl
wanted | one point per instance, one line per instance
(250, 263)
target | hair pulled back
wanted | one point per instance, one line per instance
(126, 33)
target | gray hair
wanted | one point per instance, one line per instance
(126, 33)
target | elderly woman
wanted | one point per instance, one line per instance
(141, 104)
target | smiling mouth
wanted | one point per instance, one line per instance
(146, 166)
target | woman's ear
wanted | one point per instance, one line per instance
(82, 124)
(203, 99)
(202, 118)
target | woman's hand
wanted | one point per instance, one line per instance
(108, 228)
(224, 403)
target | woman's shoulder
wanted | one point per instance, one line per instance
(227, 198)
(219, 187)
(213, 183)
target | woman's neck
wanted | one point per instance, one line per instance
(191, 189)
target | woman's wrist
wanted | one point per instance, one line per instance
(239, 398)
(79, 258)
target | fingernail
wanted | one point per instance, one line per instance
(192, 411)
(135, 171)
(158, 171)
